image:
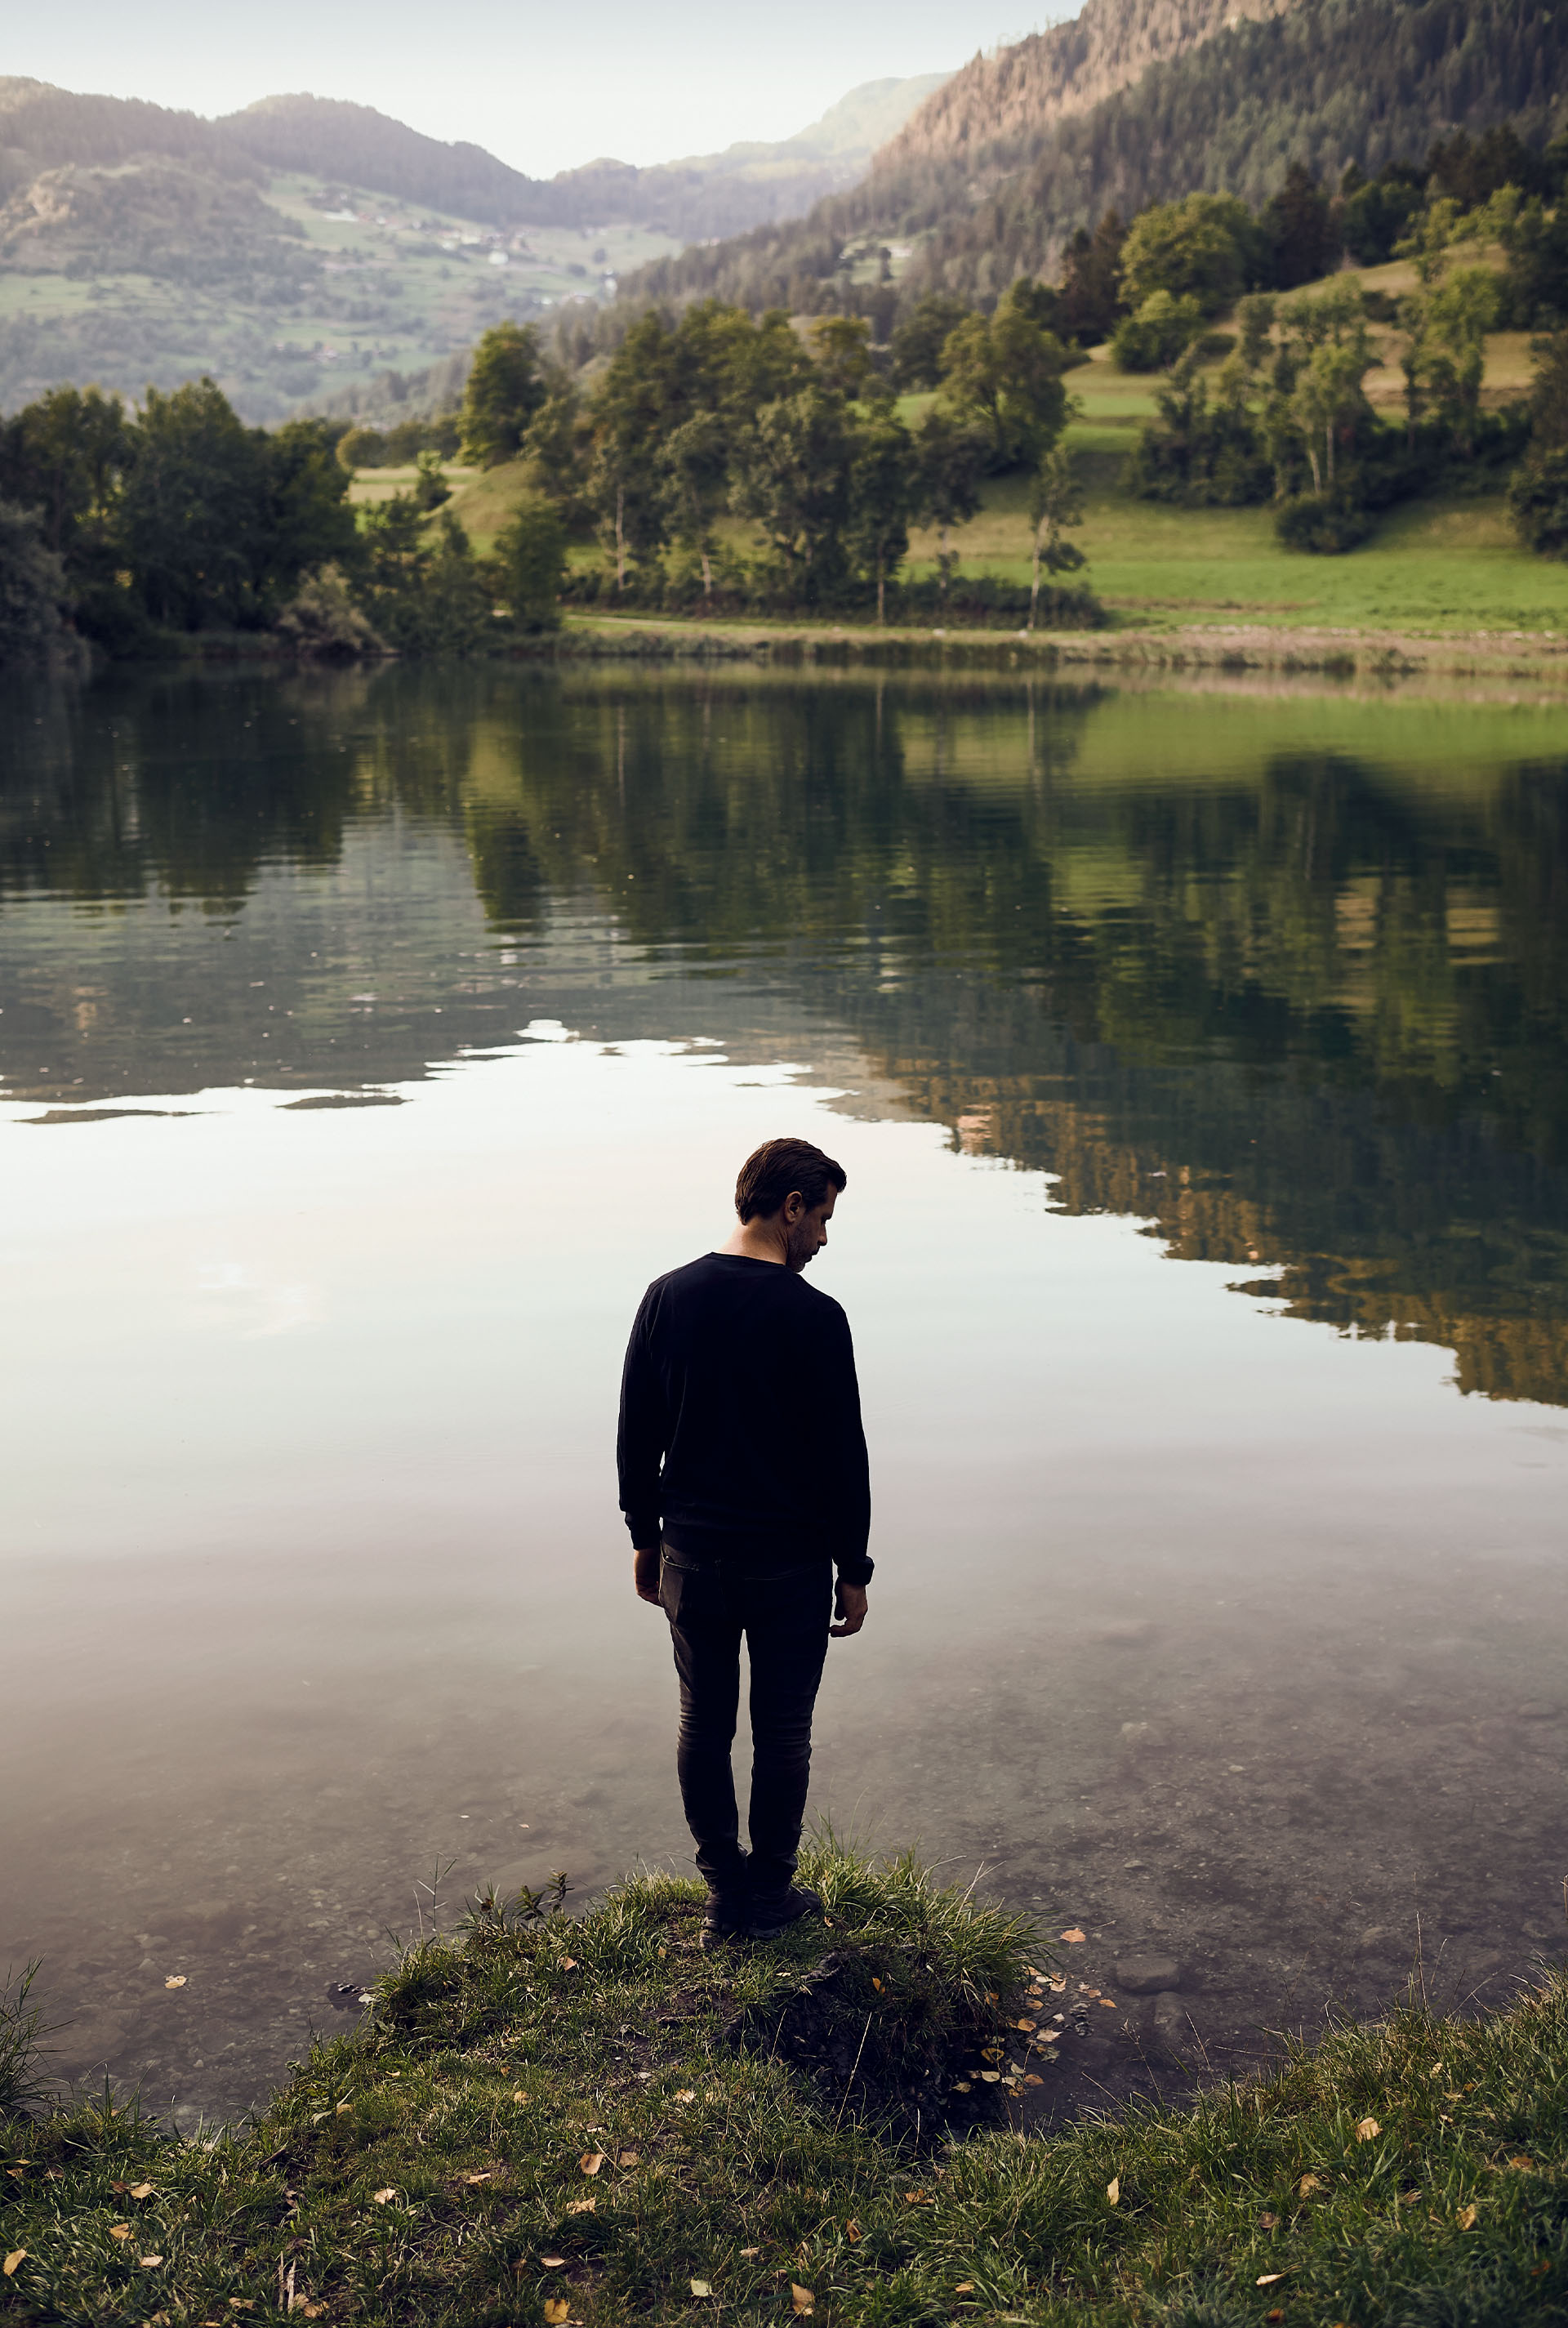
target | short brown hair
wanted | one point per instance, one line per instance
(774, 1173)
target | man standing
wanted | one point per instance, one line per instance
(744, 1482)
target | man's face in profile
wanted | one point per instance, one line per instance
(809, 1234)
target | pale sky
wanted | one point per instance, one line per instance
(545, 87)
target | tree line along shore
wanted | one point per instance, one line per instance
(1206, 388)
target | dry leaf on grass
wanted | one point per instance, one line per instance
(1113, 2190)
(568, 1963)
(630, 2158)
(1269, 2278)
(751, 2251)
(1057, 1983)
(119, 2230)
(483, 2177)
(176, 1980)
(151, 2262)
(557, 2309)
(552, 2263)
(686, 2095)
(384, 2198)
(851, 2230)
(1308, 2185)
(581, 2206)
(965, 2287)
(802, 2300)
(1368, 2130)
(700, 2287)
(990, 2077)
(519, 2096)
(1465, 2218)
(142, 2190)
(17, 2255)
(591, 2161)
(1072, 1935)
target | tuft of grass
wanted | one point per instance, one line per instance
(546, 2120)
(23, 2086)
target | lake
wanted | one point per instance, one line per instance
(1198, 1063)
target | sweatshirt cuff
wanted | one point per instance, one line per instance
(855, 1568)
(643, 1527)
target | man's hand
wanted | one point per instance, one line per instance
(849, 1608)
(646, 1572)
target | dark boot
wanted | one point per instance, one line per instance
(726, 1912)
(772, 1918)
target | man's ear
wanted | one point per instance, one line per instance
(795, 1206)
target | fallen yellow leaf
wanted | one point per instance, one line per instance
(965, 2287)
(581, 2206)
(142, 2190)
(1072, 1935)
(591, 2161)
(802, 2298)
(119, 2230)
(751, 2251)
(700, 2287)
(1105, 2001)
(1113, 2190)
(313, 2311)
(1308, 2185)
(552, 2263)
(1057, 1983)
(918, 2199)
(1465, 2218)
(519, 2096)
(991, 2077)
(876, 1983)
(686, 2095)
(150, 2261)
(962, 2086)
(1525, 2165)
(630, 2158)
(343, 2109)
(1368, 2130)
(384, 2198)
(1267, 2278)
(1025, 2024)
(557, 2308)
(851, 2230)
(17, 2255)
(176, 1980)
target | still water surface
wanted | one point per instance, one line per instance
(1198, 1064)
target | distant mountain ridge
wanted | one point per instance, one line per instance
(42, 128)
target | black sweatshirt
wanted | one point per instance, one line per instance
(740, 1381)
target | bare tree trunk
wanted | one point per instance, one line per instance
(707, 573)
(620, 537)
(1329, 436)
(1317, 472)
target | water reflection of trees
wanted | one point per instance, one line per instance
(1304, 1013)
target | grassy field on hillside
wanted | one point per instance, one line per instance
(561, 2122)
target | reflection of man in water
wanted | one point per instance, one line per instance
(744, 1482)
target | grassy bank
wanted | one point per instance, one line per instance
(559, 2121)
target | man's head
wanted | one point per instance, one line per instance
(792, 1184)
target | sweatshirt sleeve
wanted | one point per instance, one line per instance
(643, 1434)
(848, 1470)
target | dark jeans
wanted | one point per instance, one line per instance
(784, 1614)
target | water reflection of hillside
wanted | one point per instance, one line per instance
(1286, 980)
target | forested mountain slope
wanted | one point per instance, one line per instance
(1326, 82)
(999, 107)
